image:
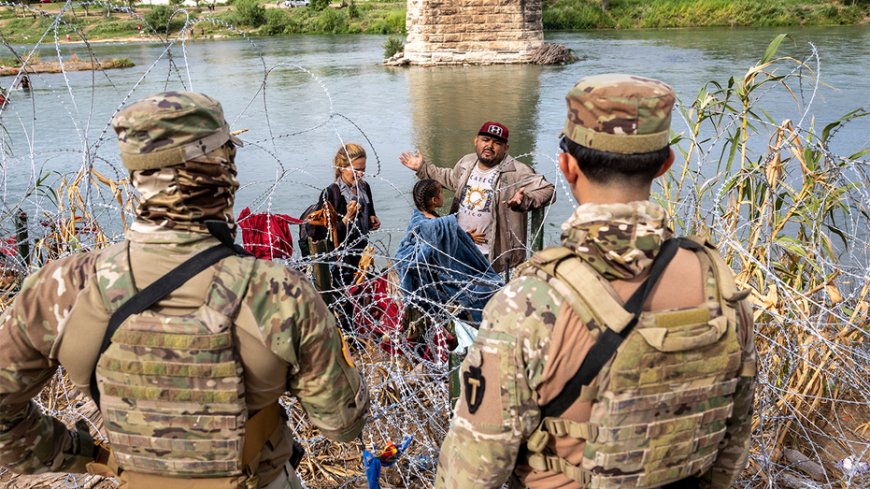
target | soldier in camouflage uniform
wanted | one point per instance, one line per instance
(671, 405)
(188, 388)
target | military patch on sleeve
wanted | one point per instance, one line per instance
(475, 384)
(344, 350)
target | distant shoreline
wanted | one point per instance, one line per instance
(25, 26)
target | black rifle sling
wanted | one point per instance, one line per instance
(221, 231)
(608, 341)
(158, 289)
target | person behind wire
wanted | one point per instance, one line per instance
(494, 194)
(438, 263)
(623, 358)
(351, 197)
(188, 386)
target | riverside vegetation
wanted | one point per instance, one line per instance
(22, 23)
(789, 214)
(642, 14)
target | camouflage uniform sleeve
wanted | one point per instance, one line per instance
(297, 326)
(497, 408)
(734, 451)
(30, 441)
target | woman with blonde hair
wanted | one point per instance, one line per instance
(351, 197)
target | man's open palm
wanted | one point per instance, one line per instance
(517, 200)
(413, 160)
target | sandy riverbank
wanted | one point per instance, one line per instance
(73, 63)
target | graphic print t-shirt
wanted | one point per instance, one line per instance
(475, 210)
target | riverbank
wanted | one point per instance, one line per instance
(21, 25)
(8, 67)
(655, 14)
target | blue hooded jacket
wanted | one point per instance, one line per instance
(440, 266)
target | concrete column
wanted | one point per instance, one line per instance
(472, 31)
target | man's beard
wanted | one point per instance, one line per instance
(489, 162)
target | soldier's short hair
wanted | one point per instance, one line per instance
(603, 168)
(170, 128)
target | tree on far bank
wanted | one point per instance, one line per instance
(250, 12)
(158, 17)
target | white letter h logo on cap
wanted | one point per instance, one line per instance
(494, 130)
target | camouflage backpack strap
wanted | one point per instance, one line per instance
(578, 284)
(115, 286)
(729, 294)
(728, 290)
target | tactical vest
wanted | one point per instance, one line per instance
(660, 405)
(172, 388)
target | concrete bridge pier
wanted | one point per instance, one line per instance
(472, 31)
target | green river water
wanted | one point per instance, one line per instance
(300, 96)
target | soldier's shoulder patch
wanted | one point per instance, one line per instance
(475, 386)
(344, 350)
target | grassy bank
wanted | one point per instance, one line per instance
(640, 14)
(27, 25)
(354, 18)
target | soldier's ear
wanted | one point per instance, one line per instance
(667, 164)
(570, 168)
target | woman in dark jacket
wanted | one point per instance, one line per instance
(351, 197)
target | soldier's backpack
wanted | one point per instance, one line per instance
(665, 379)
(171, 387)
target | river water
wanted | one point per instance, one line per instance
(299, 96)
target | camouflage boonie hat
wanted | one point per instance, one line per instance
(170, 128)
(619, 113)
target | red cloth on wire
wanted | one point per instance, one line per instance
(267, 235)
(8, 246)
(376, 312)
